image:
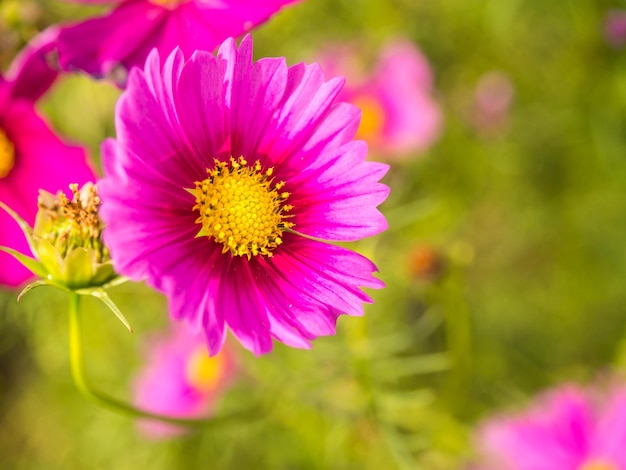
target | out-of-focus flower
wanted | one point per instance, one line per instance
(566, 429)
(218, 162)
(32, 156)
(615, 27)
(32, 72)
(400, 116)
(426, 263)
(67, 239)
(180, 379)
(109, 45)
(492, 102)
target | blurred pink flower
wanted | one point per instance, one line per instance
(492, 102)
(399, 114)
(615, 27)
(32, 156)
(31, 72)
(181, 380)
(566, 429)
(109, 45)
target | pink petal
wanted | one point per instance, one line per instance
(125, 36)
(31, 73)
(42, 161)
(609, 440)
(554, 434)
(100, 44)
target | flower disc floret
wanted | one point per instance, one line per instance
(597, 464)
(241, 208)
(7, 155)
(168, 3)
(204, 373)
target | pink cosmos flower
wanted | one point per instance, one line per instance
(32, 156)
(222, 172)
(109, 45)
(400, 116)
(615, 27)
(181, 380)
(492, 102)
(566, 429)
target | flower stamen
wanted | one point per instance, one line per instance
(372, 118)
(171, 4)
(72, 223)
(7, 155)
(241, 208)
(203, 372)
(598, 464)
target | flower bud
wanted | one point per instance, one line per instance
(67, 246)
(67, 239)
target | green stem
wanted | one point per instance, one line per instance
(459, 337)
(100, 398)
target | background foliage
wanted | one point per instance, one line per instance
(527, 225)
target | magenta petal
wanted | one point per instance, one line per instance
(610, 433)
(125, 36)
(341, 197)
(555, 434)
(243, 308)
(196, 302)
(98, 45)
(12, 272)
(31, 73)
(309, 284)
(205, 124)
(308, 99)
(42, 161)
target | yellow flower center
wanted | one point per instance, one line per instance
(372, 117)
(598, 464)
(171, 4)
(7, 155)
(204, 373)
(241, 208)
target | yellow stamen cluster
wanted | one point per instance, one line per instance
(372, 117)
(204, 373)
(74, 223)
(241, 208)
(597, 464)
(171, 4)
(7, 155)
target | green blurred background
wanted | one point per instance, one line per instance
(504, 260)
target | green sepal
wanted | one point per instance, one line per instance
(105, 275)
(31, 286)
(78, 268)
(27, 229)
(116, 281)
(50, 258)
(29, 263)
(104, 297)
